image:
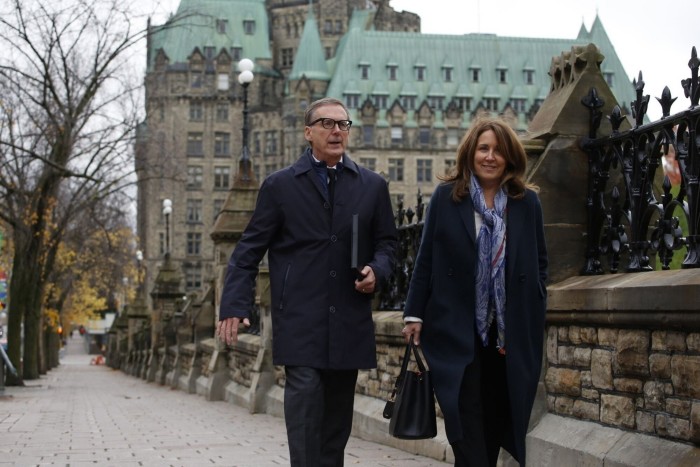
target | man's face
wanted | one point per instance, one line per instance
(328, 144)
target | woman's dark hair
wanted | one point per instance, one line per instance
(509, 146)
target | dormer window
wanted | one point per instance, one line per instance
(364, 71)
(249, 27)
(408, 102)
(235, 53)
(447, 74)
(392, 72)
(519, 105)
(529, 76)
(463, 103)
(380, 101)
(209, 52)
(435, 102)
(221, 26)
(420, 73)
(352, 101)
(502, 75)
(476, 74)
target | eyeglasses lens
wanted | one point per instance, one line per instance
(329, 123)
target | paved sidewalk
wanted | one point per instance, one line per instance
(82, 414)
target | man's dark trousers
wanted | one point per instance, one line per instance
(318, 409)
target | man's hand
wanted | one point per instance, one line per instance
(227, 330)
(368, 282)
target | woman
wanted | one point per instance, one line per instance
(477, 298)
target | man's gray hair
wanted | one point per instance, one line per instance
(308, 116)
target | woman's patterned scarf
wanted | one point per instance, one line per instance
(490, 277)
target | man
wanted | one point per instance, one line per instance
(321, 307)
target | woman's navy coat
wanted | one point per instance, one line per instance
(318, 318)
(442, 293)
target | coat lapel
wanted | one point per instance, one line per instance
(466, 213)
(515, 217)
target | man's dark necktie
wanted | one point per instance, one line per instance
(331, 184)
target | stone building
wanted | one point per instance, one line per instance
(411, 97)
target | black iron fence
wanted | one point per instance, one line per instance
(392, 296)
(636, 217)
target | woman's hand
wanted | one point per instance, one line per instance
(412, 329)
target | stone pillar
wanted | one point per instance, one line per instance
(137, 314)
(166, 290)
(556, 162)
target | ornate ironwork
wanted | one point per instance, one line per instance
(392, 296)
(630, 218)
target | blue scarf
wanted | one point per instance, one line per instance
(490, 277)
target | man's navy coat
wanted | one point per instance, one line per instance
(318, 318)
(442, 293)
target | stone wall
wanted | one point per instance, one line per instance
(635, 379)
(624, 351)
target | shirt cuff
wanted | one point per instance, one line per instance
(411, 319)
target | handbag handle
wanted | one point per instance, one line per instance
(411, 346)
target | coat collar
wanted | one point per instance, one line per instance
(303, 165)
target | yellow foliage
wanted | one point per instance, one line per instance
(51, 318)
(93, 271)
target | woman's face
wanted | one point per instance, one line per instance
(489, 163)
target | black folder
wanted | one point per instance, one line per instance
(356, 261)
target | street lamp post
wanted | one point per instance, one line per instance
(139, 275)
(245, 77)
(167, 210)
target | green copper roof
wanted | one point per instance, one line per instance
(213, 23)
(491, 54)
(310, 60)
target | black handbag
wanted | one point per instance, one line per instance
(411, 406)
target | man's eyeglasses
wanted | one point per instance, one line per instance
(329, 123)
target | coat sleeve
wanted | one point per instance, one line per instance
(237, 295)
(385, 236)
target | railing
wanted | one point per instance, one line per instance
(629, 218)
(392, 296)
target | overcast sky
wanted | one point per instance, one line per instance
(651, 36)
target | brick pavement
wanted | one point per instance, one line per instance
(81, 414)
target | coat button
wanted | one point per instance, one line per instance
(521, 278)
(450, 272)
(334, 238)
(326, 205)
(333, 273)
(332, 309)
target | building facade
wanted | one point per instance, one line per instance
(411, 97)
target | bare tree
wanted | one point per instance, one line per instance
(69, 106)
